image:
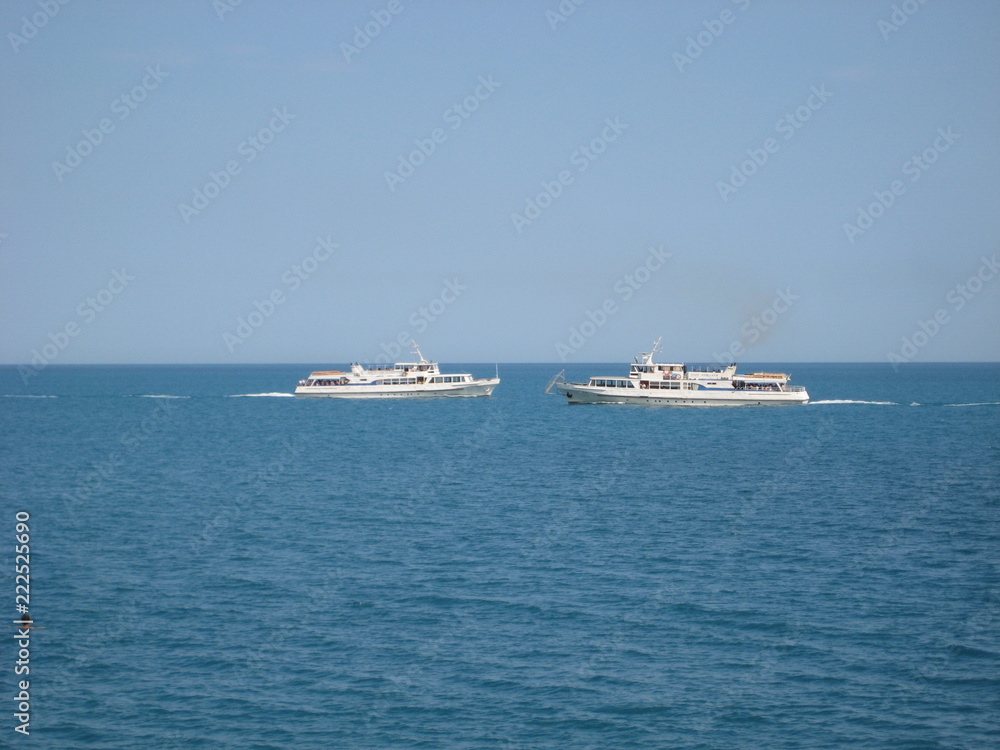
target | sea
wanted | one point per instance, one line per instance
(215, 563)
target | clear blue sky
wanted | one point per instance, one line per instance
(450, 253)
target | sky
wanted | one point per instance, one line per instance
(536, 181)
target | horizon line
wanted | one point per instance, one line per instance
(491, 362)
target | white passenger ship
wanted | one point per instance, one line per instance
(401, 379)
(651, 382)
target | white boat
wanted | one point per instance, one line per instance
(399, 380)
(659, 383)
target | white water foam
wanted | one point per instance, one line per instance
(261, 395)
(851, 401)
(896, 403)
(24, 395)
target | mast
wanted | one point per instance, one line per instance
(416, 350)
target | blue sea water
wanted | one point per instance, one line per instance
(216, 569)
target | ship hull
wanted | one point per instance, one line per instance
(577, 393)
(475, 389)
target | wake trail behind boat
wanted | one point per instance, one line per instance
(852, 401)
(262, 395)
(827, 402)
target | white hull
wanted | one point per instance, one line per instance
(476, 388)
(577, 393)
